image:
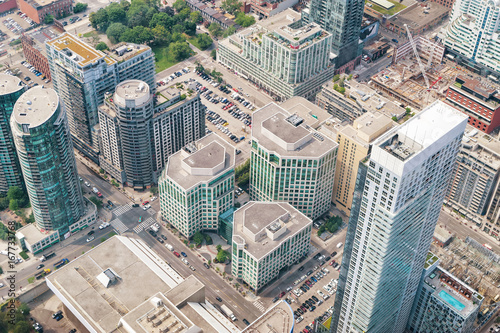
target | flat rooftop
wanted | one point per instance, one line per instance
(36, 106)
(421, 131)
(419, 16)
(167, 97)
(256, 223)
(124, 51)
(442, 280)
(41, 3)
(208, 158)
(132, 90)
(478, 89)
(9, 84)
(278, 319)
(368, 127)
(80, 52)
(482, 146)
(32, 234)
(286, 134)
(312, 114)
(129, 259)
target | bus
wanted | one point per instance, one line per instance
(488, 247)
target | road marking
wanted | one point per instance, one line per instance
(119, 226)
(258, 304)
(151, 211)
(144, 225)
(120, 210)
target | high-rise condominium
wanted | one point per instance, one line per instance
(341, 18)
(291, 162)
(398, 196)
(41, 134)
(472, 34)
(82, 75)
(11, 89)
(197, 185)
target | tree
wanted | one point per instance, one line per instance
(222, 256)
(115, 32)
(154, 190)
(179, 5)
(138, 35)
(394, 118)
(24, 309)
(137, 15)
(99, 20)
(198, 238)
(213, 54)
(204, 41)
(161, 35)
(116, 12)
(179, 50)
(229, 31)
(199, 67)
(22, 327)
(80, 7)
(190, 28)
(101, 46)
(15, 192)
(336, 77)
(49, 19)
(196, 17)
(162, 19)
(231, 6)
(244, 20)
(30, 219)
(408, 110)
(215, 30)
(342, 90)
(96, 202)
(218, 248)
(13, 205)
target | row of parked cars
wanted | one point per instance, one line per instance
(172, 77)
(26, 18)
(13, 26)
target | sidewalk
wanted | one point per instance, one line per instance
(460, 220)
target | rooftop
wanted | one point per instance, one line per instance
(277, 319)
(481, 89)
(9, 84)
(134, 92)
(168, 96)
(286, 134)
(204, 160)
(32, 234)
(41, 3)
(421, 131)
(368, 127)
(124, 51)
(441, 234)
(105, 301)
(482, 146)
(80, 52)
(420, 15)
(263, 226)
(35, 106)
(441, 280)
(312, 114)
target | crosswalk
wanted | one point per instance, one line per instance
(151, 211)
(144, 225)
(120, 210)
(119, 226)
(258, 304)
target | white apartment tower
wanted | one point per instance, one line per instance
(397, 201)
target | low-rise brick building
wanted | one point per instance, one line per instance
(38, 9)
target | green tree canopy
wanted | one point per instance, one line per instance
(138, 35)
(231, 6)
(15, 192)
(80, 7)
(204, 41)
(179, 5)
(96, 202)
(162, 19)
(198, 238)
(101, 46)
(196, 17)
(116, 12)
(115, 32)
(162, 37)
(213, 54)
(49, 19)
(14, 205)
(180, 50)
(189, 28)
(244, 20)
(99, 19)
(229, 31)
(215, 29)
(137, 14)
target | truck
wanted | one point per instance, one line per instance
(339, 245)
(228, 312)
(61, 263)
(42, 273)
(104, 225)
(48, 256)
(170, 247)
(95, 190)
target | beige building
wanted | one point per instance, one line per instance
(354, 145)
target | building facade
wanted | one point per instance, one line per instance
(397, 201)
(82, 75)
(41, 134)
(37, 10)
(475, 179)
(197, 185)
(481, 102)
(267, 238)
(354, 145)
(419, 17)
(11, 88)
(343, 20)
(443, 302)
(472, 35)
(291, 162)
(280, 55)
(35, 56)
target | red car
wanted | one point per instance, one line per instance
(333, 262)
(99, 194)
(282, 294)
(145, 203)
(177, 254)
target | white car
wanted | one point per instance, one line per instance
(90, 239)
(1, 285)
(153, 198)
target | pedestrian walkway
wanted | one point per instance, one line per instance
(258, 304)
(119, 226)
(144, 225)
(120, 210)
(151, 211)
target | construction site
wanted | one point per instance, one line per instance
(417, 76)
(477, 266)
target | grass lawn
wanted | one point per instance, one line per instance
(163, 58)
(194, 41)
(90, 34)
(396, 9)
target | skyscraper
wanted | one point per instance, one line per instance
(341, 18)
(41, 134)
(82, 75)
(398, 197)
(10, 171)
(291, 162)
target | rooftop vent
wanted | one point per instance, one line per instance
(295, 120)
(107, 278)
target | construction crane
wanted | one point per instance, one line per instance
(422, 69)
